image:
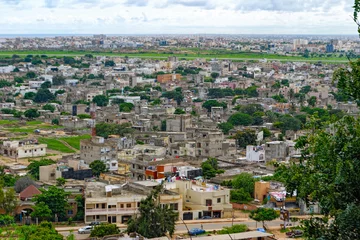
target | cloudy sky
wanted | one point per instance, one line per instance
(176, 16)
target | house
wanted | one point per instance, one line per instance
(255, 153)
(74, 169)
(164, 78)
(23, 149)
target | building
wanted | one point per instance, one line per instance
(201, 199)
(118, 203)
(72, 170)
(329, 48)
(178, 123)
(164, 78)
(275, 150)
(261, 190)
(23, 149)
(255, 153)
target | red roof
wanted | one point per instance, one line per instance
(29, 192)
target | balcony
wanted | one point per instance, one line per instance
(102, 211)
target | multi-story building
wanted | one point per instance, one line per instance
(23, 149)
(164, 78)
(178, 123)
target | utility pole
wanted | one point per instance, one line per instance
(186, 227)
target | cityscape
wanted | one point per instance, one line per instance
(147, 133)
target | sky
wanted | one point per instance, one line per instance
(176, 17)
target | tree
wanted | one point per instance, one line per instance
(34, 166)
(58, 80)
(60, 181)
(305, 89)
(126, 107)
(237, 228)
(245, 181)
(31, 113)
(179, 111)
(240, 196)
(251, 109)
(210, 168)
(109, 63)
(115, 101)
(46, 85)
(80, 201)
(104, 229)
(98, 167)
(29, 95)
(101, 100)
(4, 83)
(8, 200)
(312, 101)
(56, 200)
(263, 215)
(44, 231)
(106, 129)
(23, 183)
(245, 137)
(240, 119)
(213, 103)
(30, 75)
(55, 121)
(49, 107)
(42, 211)
(155, 220)
(43, 95)
(215, 75)
(225, 127)
(288, 122)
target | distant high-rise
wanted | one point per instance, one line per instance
(329, 48)
(300, 43)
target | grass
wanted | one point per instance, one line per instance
(54, 144)
(75, 141)
(188, 53)
(3, 122)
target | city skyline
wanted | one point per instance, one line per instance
(176, 17)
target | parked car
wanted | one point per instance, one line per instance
(206, 217)
(196, 231)
(294, 234)
(94, 223)
(85, 230)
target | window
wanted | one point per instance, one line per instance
(219, 200)
(208, 202)
(113, 164)
(121, 205)
(25, 151)
(103, 205)
(42, 149)
(70, 212)
(138, 204)
(35, 150)
(128, 205)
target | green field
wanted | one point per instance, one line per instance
(75, 141)
(186, 53)
(54, 144)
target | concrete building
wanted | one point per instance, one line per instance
(255, 153)
(261, 190)
(178, 123)
(275, 150)
(23, 149)
(217, 114)
(164, 78)
(74, 169)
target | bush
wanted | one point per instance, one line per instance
(238, 228)
(104, 229)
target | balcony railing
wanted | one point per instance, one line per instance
(99, 211)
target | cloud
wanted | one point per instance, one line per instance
(51, 3)
(137, 3)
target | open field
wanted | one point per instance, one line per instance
(56, 145)
(75, 141)
(186, 53)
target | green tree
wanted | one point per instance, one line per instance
(245, 137)
(312, 101)
(240, 196)
(83, 116)
(109, 63)
(163, 125)
(4, 83)
(240, 119)
(42, 211)
(213, 103)
(43, 95)
(44, 231)
(225, 127)
(98, 167)
(60, 181)
(8, 200)
(126, 107)
(56, 199)
(101, 100)
(31, 113)
(237, 228)
(80, 201)
(29, 95)
(155, 220)
(58, 80)
(34, 166)
(104, 229)
(215, 75)
(49, 107)
(210, 168)
(245, 181)
(30, 75)
(106, 129)
(263, 215)
(179, 111)
(55, 121)
(46, 85)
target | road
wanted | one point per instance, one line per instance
(180, 228)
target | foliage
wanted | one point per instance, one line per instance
(126, 107)
(312, 101)
(288, 122)
(44, 231)
(83, 116)
(251, 109)
(109, 63)
(279, 98)
(60, 181)
(155, 220)
(244, 181)
(98, 167)
(213, 103)
(264, 214)
(46, 85)
(215, 75)
(30, 75)
(80, 201)
(267, 132)
(49, 107)
(58, 80)
(106, 129)
(240, 119)
(56, 200)
(245, 137)
(237, 228)
(34, 166)
(179, 111)
(8, 200)
(240, 196)
(305, 89)
(29, 95)
(101, 100)
(42, 211)
(55, 121)
(225, 127)
(6, 219)
(210, 168)
(176, 95)
(23, 183)
(31, 113)
(43, 95)
(163, 125)
(6, 180)
(4, 83)
(104, 229)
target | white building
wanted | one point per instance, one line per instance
(23, 149)
(255, 153)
